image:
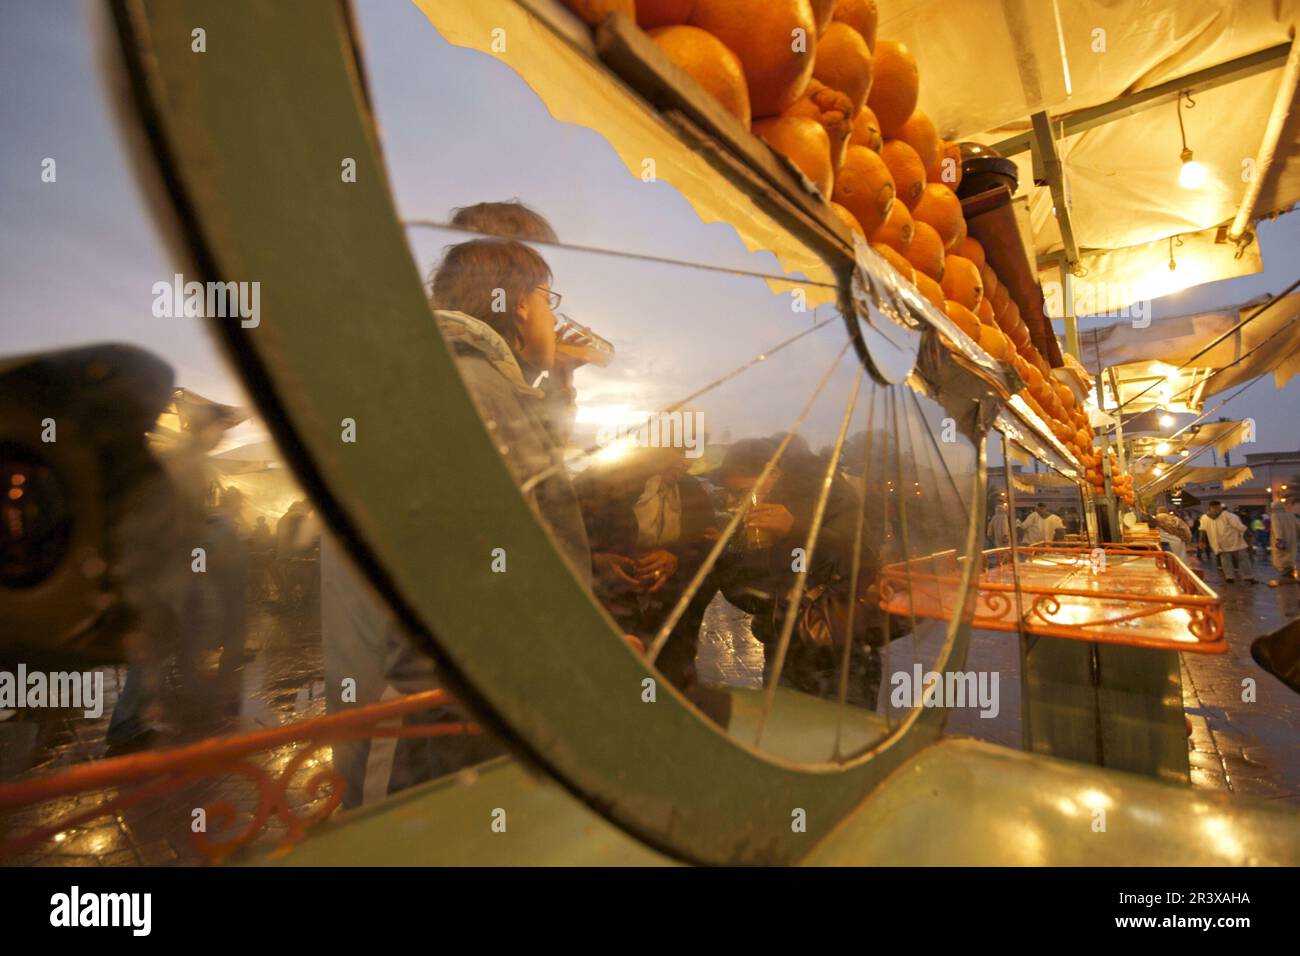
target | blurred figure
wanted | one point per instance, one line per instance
(999, 529)
(1174, 533)
(1282, 543)
(650, 525)
(756, 575)
(261, 552)
(1040, 526)
(294, 566)
(501, 354)
(1227, 540)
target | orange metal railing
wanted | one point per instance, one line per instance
(138, 778)
(1132, 595)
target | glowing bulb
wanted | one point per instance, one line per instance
(1184, 453)
(1192, 175)
(1162, 449)
(1166, 421)
(1157, 471)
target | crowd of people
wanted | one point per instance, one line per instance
(1234, 542)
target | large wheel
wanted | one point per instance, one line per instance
(248, 139)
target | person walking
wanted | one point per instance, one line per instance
(1282, 543)
(1227, 537)
(1041, 526)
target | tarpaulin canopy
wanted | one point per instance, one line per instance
(1175, 477)
(1221, 436)
(1146, 359)
(189, 414)
(987, 65)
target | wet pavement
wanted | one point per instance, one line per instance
(1238, 746)
(280, 683)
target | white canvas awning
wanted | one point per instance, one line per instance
(1174, 476)
(1221, 436)
(988, 65)
(1146, 359)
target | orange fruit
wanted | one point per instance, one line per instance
(662, 13)
(833, 110)
(594, 11)
(986, 273)
(940, 207)
(947, 168)
(931, 290)
(865, 188)
(1020, 335)
(709, 64)
(985, 312)
(897, 229)
(1007, 319)
(961, 230)
(962, 282)
(894, 87)
(994, 342)
(919, 133)
(971, 249)
(926, 251)
(1066, 396)
(999, 295)
(822, 10)
(898, 262)
(804, 142)
(844, 63)
(850, 221)
(965, 319)
(906, 168)
(778, 62)
(859, 14)
(866, 130)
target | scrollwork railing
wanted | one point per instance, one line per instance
(139, 778)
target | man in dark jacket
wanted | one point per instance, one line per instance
(757, 575)
(650, 525)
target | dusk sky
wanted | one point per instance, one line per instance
(78, 257)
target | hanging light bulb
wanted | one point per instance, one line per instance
(1166, 420)
(1162, 449)
(1192, 175)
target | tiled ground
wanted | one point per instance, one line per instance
(1243, 746)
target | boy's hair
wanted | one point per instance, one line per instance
(507, 220)
(475, 276)
(746, 458)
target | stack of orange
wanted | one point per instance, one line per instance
(797, 72)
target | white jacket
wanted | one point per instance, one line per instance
(1225, 533)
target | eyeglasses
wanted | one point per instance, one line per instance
(552, 298)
